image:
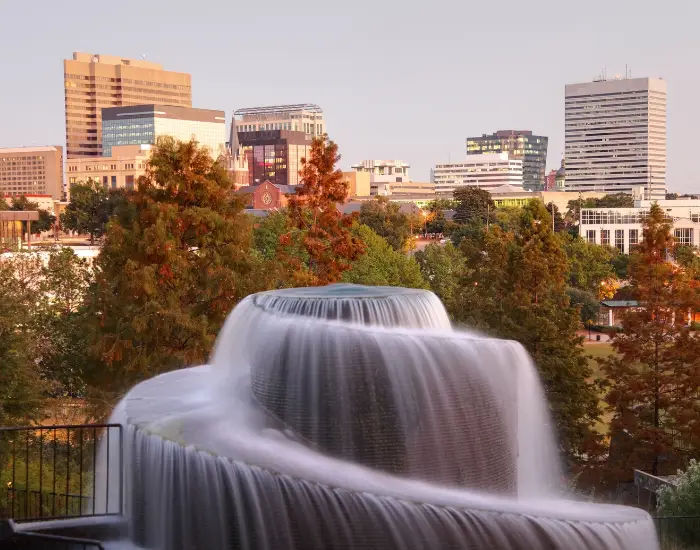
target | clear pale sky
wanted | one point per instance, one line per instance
(394, 81)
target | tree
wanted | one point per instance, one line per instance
(589, 264)
(614, 200)
(60, 319)
(175, 260)
(44, 223)
(683, 497)
(21, 388)
(559, 222)
(90, 208)
(442, 267)
(386, 220)
(587, 302)
(653, 378)
(514, 287)
(473, 205)
(381, 264)
(324, 233)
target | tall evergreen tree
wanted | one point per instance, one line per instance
(175, 260)
(323, 232)
(655, 376)
(514, 286)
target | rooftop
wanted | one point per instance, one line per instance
(278, 109)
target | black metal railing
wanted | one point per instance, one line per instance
(678, 532)
(53, 472)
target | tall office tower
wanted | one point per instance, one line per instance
(32, 171)
(93, 82)
(488, 171)
(616, 136)
(519, 144)
(143, 124)
(305, 117)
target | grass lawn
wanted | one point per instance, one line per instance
(595, 351)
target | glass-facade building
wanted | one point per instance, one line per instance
(143, 124)
(521, 145)
(274, 155)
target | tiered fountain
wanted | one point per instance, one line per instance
(354, 417)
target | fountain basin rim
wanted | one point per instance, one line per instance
(380, 484)
(506, 502)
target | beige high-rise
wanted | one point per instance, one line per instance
(96, 81)
(615, 133)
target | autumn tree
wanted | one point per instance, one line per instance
(175, 260)
(387, 220)
(514, 286)
(655, 375)
(316, 223)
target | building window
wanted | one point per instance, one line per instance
(620, 239)
(605, 237)
(633, 237)
(129, 182)
(590, 235)
(114, 182)
(683, 235)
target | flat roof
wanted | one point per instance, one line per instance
(312, 107)
(157, 110)
(30, 149)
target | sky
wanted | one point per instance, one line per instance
(394, 81)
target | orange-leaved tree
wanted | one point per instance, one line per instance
(317, 225)
(654, 377)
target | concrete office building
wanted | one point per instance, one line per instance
(32, 171)
(274, 155)
(303, 117)
(615, 134)
(622, 227)
(120, 171)
(488, 170)
(383, 172)
(519, 144)
(143, 124)
(93, 82)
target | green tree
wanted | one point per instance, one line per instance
(61, 320)
(90, 208)
(589, 264)
(386, 220)
(472, 205)
(21, 388)
(560, 223)
(683, 497)
(381, 264)
(44, 223)
(322, 230)
(654, 376)
(587, 302)
(175, 260)
(515, 287)
(614, 200)
(442, 268)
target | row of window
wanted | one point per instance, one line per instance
(682, 236)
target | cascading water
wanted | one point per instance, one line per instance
(354, 417)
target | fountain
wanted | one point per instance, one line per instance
(354, 417)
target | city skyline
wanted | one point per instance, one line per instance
(383, 84)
